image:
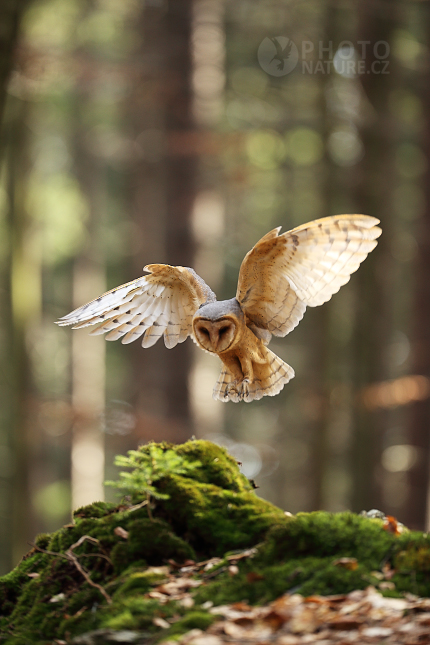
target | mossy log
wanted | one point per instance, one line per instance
(212, 541)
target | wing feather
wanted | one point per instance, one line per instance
(161, 303)
(283, 274)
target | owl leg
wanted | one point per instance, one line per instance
(248, 375)
(240, 367)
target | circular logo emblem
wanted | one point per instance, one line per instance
(278, 55)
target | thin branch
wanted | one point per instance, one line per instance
(136, 506)
(95, 555)
(73, 558)
(86, 575)
(38, 548)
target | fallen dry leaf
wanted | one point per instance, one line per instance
(346, 563)
(160, 622)
(304, 620)
(58, 598)
(186, 601)
(175, 587)
(253, 577)
(360, 617)
(391, 525)
(122, 533)
(239, 606)
(344, 623)
(424, 619)
(249, 553)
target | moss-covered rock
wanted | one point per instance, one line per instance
(123, 567)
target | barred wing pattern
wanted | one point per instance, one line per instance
(283, 274)
(162, 303)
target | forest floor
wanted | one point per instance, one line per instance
(198, 558)
(362, 616)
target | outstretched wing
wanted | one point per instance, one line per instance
(283, 274)
(163, 302)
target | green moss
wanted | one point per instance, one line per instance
(210, 512)
(216, 508)
(218, 467)
(152, 542)
(260, 584)
(96, 509)
(138, 582)
(42, 540)
(193, 620)
(415, 556)
(329, 534)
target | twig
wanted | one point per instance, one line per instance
(136, 506)
(95, 555)
(77, 564)
(94, 541)
(38, 548)
(79, 555)
(213, 574)
(73, 558)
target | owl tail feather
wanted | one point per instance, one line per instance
(269, 379)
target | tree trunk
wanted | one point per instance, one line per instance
(162, 195)
(416, 507)
(11, 12)
(373, 324)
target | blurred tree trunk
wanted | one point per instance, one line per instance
(22, 310)
(416, 513)
(321, 338)
(14, 488)
(373, 194)
(11, 12)
(162, 192)
(88, 353)
(181, 188)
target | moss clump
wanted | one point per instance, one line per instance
(159, 542)
(97, 509)
(322, 534)
(216, 507)
(132, 557)
(193, 620)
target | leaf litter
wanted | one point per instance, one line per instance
(363, 616)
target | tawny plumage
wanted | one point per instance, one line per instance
(279, 278)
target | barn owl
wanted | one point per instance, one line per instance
(279, 277)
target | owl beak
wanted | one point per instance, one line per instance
(211, 333)
(214, 337)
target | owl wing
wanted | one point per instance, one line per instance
(163, 302)
(283, 274)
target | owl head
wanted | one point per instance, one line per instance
(218, 326)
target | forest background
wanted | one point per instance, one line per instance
(182, 131)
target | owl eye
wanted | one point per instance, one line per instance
(223, 330)
(204, 331)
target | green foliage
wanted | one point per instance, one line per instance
(148, 467)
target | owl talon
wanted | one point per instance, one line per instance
(239, 389)
(231, 387)
(244, 388)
